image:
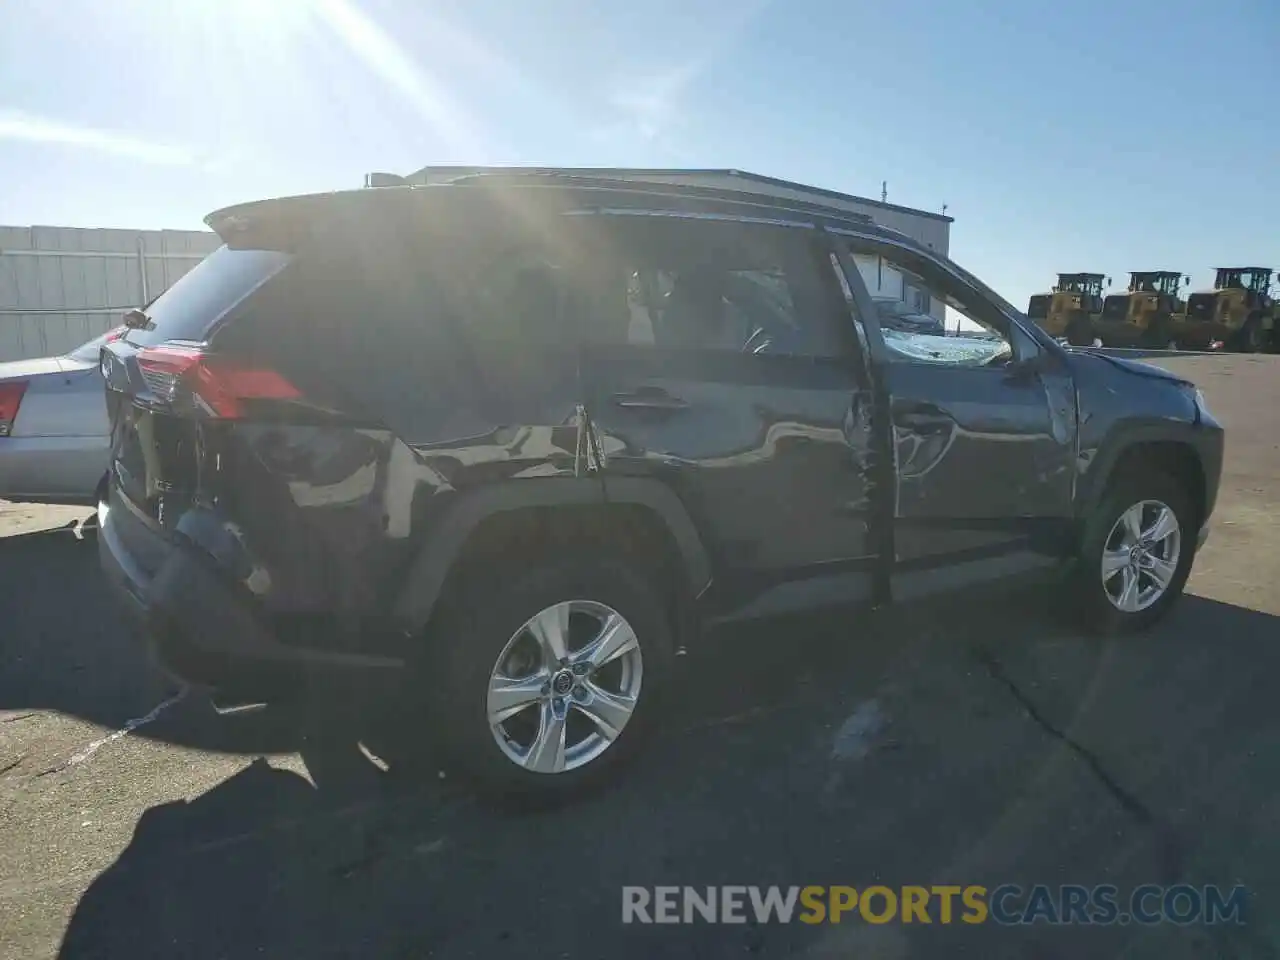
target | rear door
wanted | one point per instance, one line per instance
(721, 359)
(983, 430)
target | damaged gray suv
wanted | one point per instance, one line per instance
(518, 438)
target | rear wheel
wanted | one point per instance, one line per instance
(546, 679)
(1252, 338)
(1136, 553)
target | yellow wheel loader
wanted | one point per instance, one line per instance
(1239, 312)
(1142, 316)
(1070, 309)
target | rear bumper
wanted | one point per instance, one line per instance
(194, 630)
(200, 629)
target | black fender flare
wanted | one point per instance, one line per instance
(1092, 484)
(428, 571)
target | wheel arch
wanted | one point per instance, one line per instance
(1169, 450)
(514, 509)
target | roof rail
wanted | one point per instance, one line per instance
(604, 181)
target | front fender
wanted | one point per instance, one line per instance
(1097, 465)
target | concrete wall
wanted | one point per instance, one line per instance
(61, 286)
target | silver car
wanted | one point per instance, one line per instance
(53, 426)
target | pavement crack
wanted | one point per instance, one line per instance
(1170, 846)
(128, 728)
(14, 718)
(1127, 801)
(9, 765)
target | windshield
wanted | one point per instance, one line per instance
(1088, 285)
(193, 306)
(1154, 283)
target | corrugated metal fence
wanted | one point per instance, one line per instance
(61, 286)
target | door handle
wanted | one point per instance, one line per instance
(647, 398)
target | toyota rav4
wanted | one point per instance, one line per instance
(518, 439)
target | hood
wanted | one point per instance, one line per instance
(1136, 367)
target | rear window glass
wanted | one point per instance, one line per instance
(191, 307)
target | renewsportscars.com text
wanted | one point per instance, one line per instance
(1008, 904)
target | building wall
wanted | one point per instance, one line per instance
(61, 286)
(931, 230)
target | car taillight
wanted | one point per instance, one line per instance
(216, 386)
(115, 334)
(10, 399)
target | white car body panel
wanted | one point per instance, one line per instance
(57, 450)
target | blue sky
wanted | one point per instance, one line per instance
(1062, 136)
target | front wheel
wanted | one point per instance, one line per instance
(546, 680)
(1157, 335)
(1079, 331)
(1136, 553)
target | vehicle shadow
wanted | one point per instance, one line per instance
(760, 778)
(66, 647)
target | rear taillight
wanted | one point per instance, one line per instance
(10, 400)
(214, 385)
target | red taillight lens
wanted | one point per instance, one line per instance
(216, 385)
(115, 334)
(10, 399)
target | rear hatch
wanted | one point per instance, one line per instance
(166, 391)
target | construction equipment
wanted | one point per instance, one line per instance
(1143, 316)
(1239, 312)
(1069, 310)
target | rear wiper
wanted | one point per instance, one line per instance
(137, 320)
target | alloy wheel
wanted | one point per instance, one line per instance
(564, 686)
(1140, 556)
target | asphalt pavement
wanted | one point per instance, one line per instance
(976, 740)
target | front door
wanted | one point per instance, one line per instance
(983, 428)
(721, 360)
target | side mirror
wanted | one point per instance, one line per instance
(1028, 368)
(135, 319)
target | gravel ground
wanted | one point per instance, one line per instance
(971, 741)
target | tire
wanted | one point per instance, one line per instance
(1103, 532)
(1157, 336)
(493, 611)
(1251, 338)
(1079, 331)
